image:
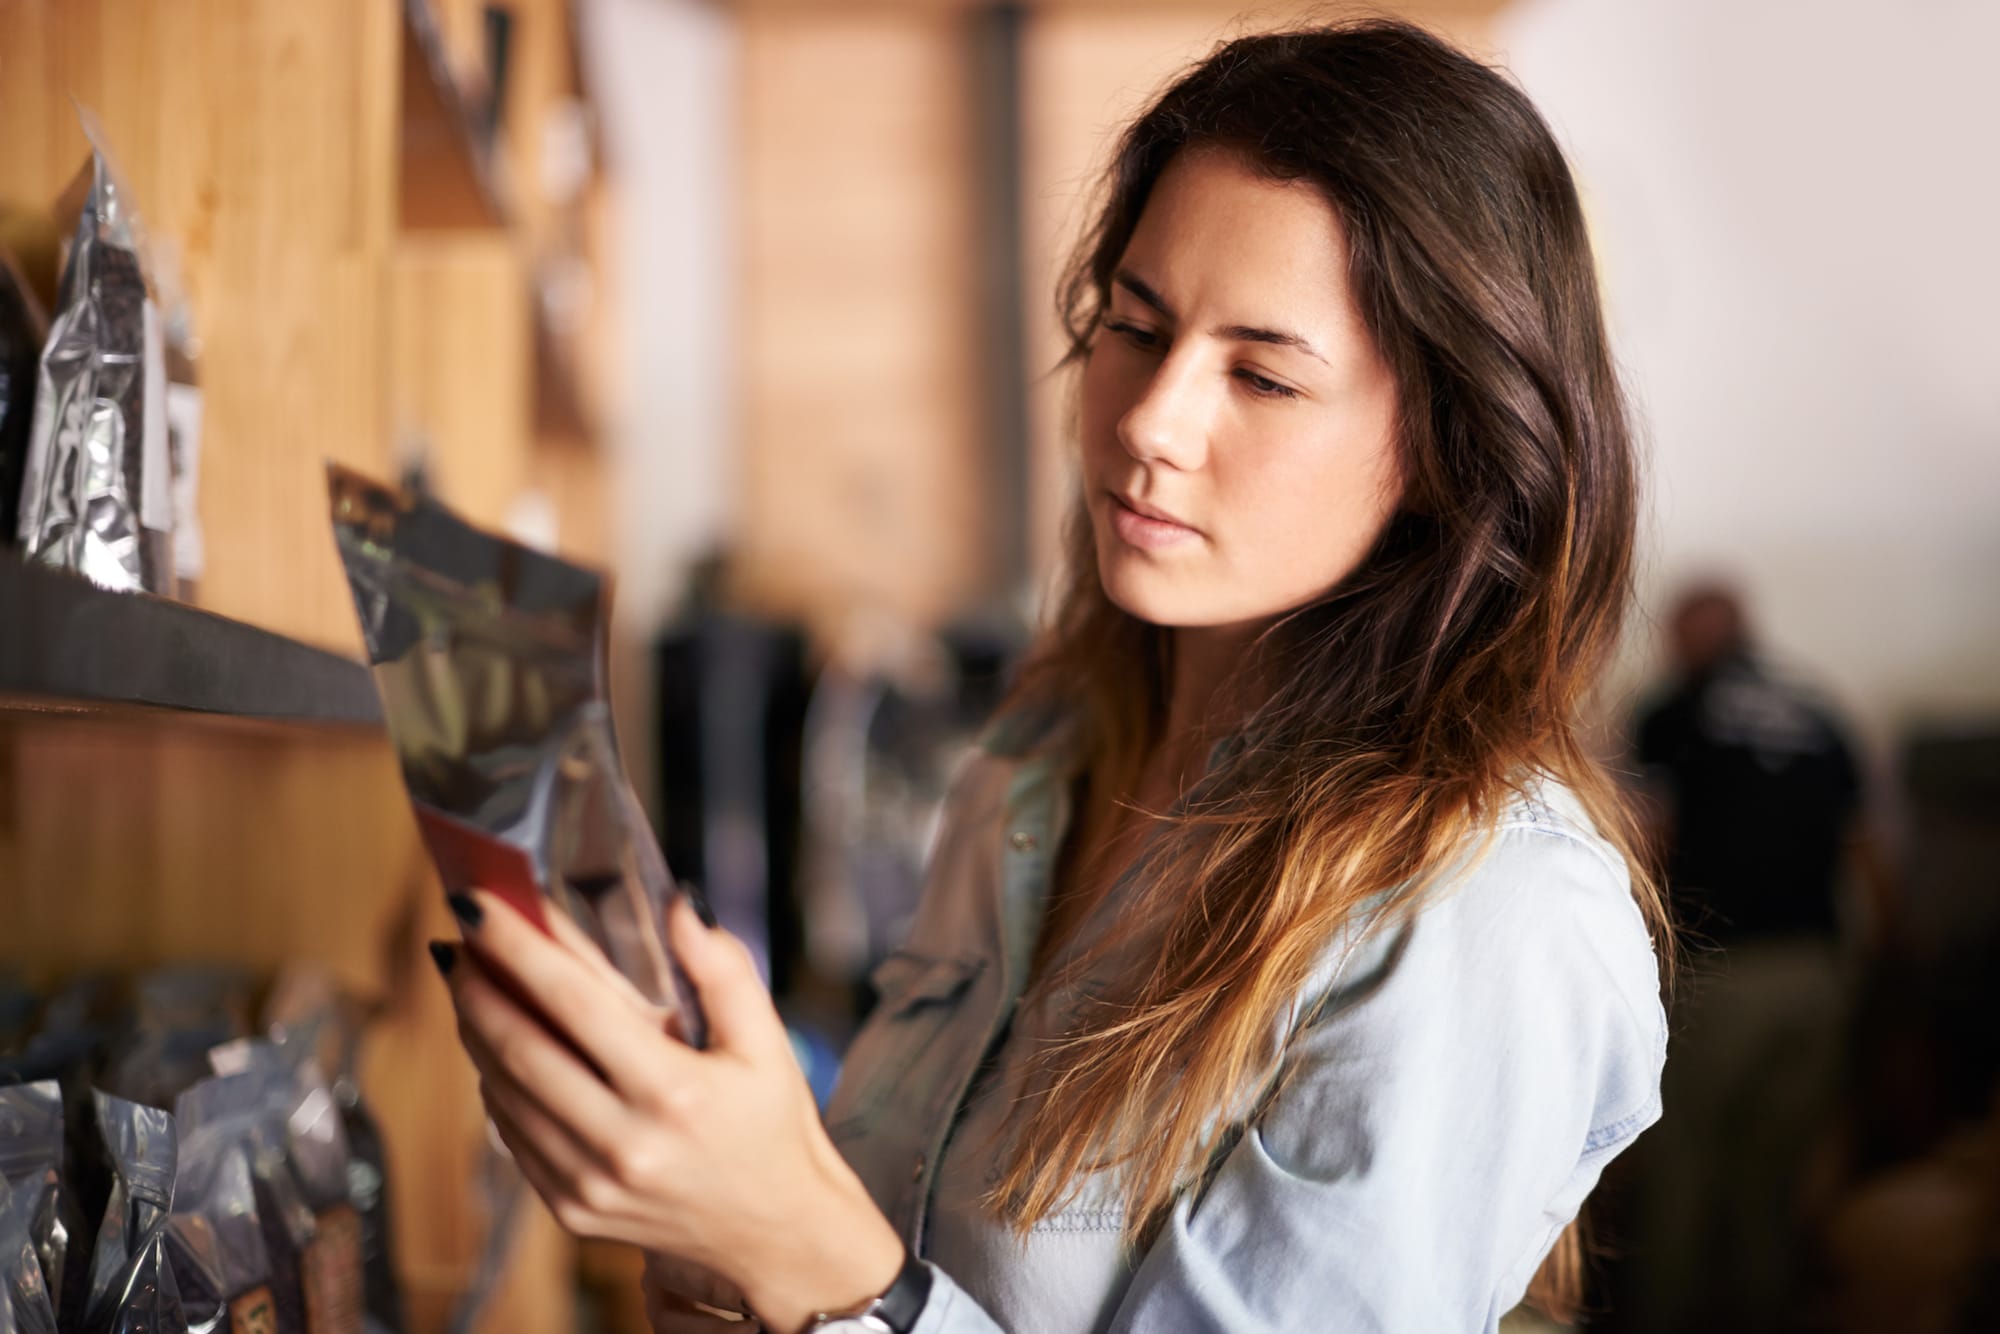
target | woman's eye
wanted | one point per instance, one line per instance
(1134, 334)
(1266, 388)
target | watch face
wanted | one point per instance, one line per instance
(854, 1324)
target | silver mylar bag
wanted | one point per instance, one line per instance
(489, 657)
(132, 1288)
(97, 496)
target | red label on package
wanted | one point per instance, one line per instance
(469, 858)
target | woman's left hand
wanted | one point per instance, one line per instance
(715, 1156)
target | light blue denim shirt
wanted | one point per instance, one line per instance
(1457, 1082)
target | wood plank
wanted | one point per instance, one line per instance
(461, 366)
(862, 449)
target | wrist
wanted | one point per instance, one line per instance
(838, 1253)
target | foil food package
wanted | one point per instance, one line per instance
(489, 658)
(132, 1286)
(184, 418)
(195, 995)
(96, 493)
(309, 1014)
(302, 1115)
(217, 1236)
(255, 1104)
(31, 1163)
(183, 406)
(155, 1066)
(22, 332)
(25, 1303)
(34, 1234)
(368, 1192)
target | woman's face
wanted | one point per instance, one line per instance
(1238, 424)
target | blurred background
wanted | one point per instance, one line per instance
(751, 304)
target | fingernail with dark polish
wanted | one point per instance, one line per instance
(466, 909)
(701, 908)
(444, 956)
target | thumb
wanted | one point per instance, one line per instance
(733, 999)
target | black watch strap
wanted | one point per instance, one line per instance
(903, 1303)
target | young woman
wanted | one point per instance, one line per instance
(1281, 966)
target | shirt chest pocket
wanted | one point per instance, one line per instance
(899, 1060)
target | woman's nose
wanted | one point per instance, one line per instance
(1168, 423)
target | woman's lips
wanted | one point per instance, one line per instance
(1145, 531)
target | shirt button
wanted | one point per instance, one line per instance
(1023, 841)
(917, 1174)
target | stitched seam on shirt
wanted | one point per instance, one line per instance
(1606, 1136)
(1556, 827)
(1083, 1220)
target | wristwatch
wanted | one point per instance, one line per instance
(894, 1312)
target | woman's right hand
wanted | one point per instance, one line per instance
(684, 1298)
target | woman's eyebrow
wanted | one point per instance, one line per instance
(1242, 333)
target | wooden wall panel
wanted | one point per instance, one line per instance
(862, 469)
(260, 138)
(141, 841)
(461, 361)
(572, 479)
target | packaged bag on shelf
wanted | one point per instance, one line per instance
(155, 1066)
(183, 406)
(31, 1162)
(218, 1238)
(178, 1014)
(301, 1116)
(368, 1192)
(25, 1305)
(96, 494)
(196, 995)
(132, 1286)
(67, 1052)
(22, 332)
(489, 657)
(308, 1012)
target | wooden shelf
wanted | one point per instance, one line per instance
(67, 646)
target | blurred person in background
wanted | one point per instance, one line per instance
(1286, 959)
(1756, 812)
(1755, 792)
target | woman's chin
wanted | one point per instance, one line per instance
(1145, 593)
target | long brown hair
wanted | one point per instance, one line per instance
(1412, 698)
